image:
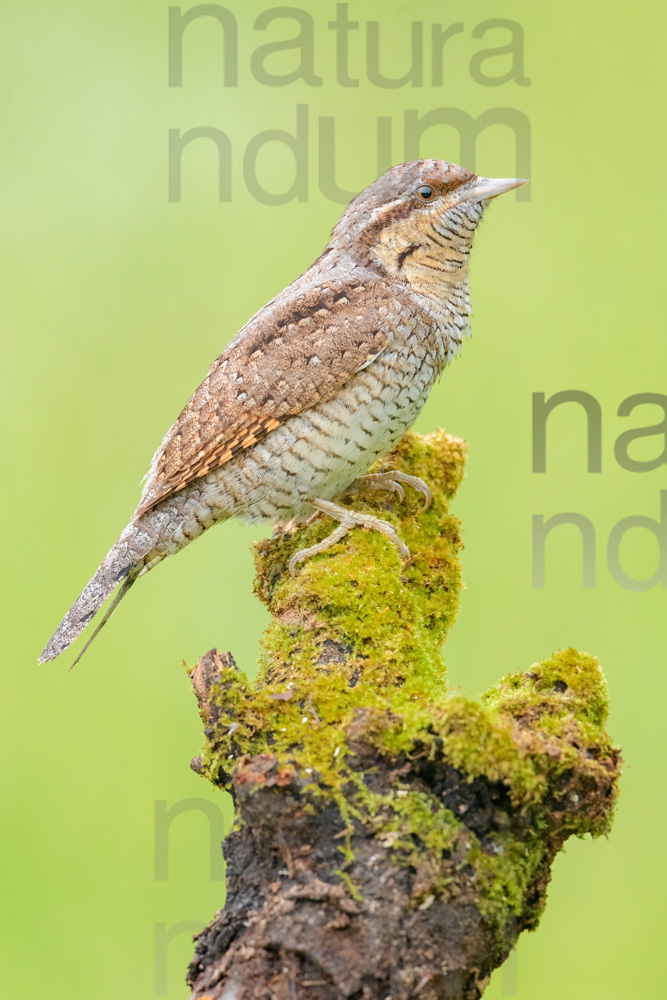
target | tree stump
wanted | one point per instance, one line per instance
(392, 839)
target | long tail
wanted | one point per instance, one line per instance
(118, 566)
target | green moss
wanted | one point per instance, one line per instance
(351, 662)
(421, 833)
(351, 887)
(506, 873)
(393, 619)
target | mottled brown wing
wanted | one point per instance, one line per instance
(295, 353)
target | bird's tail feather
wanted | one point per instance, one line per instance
(127, 583)
(118, 566)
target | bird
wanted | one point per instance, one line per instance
(317, 386)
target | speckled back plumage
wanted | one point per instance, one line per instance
(321, 382)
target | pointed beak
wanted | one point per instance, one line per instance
(484, 188)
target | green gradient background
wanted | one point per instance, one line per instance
(113, 304)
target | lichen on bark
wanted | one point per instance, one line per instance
(391, 838)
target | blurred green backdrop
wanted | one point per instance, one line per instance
(114, 301)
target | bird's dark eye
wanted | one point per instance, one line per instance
(426, 193)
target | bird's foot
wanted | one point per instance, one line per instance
(350, 519)
(392, 481)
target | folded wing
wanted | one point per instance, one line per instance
(298, 354)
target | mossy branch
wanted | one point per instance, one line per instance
(390, 838)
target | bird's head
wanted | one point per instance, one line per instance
(417, 222)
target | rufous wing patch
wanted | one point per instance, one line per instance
(221, 452)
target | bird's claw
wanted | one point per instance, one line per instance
(392, 481)
(348, 519)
